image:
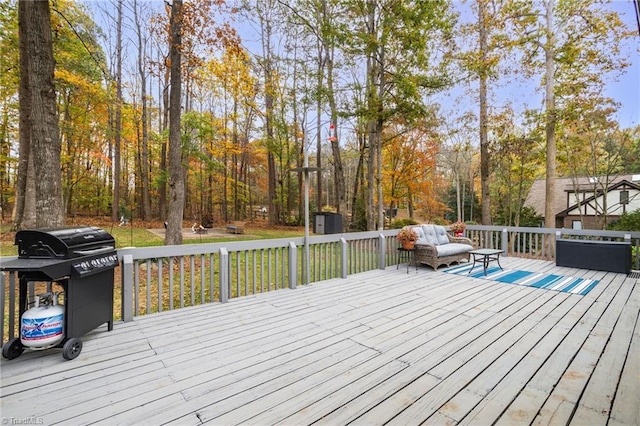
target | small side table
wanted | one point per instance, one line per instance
(485, 255)
(408, 255)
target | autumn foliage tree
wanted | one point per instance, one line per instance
(572, 46)
(409, 177)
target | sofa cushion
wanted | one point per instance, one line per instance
(423, 238)
(420, 232)
(441, 234)
(452, 249)
(429, 234)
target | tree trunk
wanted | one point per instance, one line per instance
(550, 105)
(319, 134)
(162, 189)
(115, 204)
(24, 212)
(357, 182)
(484, 140)
(45, 141)
(370, 204)
(372, 132)
(145, 182)
(338, 169)
(176, 174)
(381, 68)
(274, 210)
(235, 163)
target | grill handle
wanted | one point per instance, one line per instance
(98, 250)
(40, 250)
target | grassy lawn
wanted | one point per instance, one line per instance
(139, 235)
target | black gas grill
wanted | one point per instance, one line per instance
(82, 261)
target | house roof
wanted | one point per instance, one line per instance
(537, 193)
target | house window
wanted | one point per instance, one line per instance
(624, 197)
(576, 224)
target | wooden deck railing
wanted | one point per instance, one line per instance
(539, 243)
(154, 279)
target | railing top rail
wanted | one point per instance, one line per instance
(139, 253)
(565, 231)
(206, 248)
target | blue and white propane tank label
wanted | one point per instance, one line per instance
(39, 330)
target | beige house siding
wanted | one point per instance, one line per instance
(588, 222)
(571, 193)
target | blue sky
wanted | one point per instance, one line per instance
(523, 94)
(627, 90)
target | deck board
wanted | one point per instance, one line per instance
(379, 346)
(626, 409)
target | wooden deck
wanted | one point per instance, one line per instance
(375, 348)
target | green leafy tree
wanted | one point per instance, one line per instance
(488, 46)
(379, 33)
(516, 160)
(574, 46)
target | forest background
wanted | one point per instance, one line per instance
(438, 109)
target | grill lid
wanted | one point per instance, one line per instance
(63, 243)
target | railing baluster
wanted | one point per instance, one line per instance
(212, 275)
(313, 262)
(171, 283)
(182, 281)
(269, 282)
(136, 286)
(160, 293)
(246, 272)
(262, 271)
(283, 266)
(276, 268)
(192, 279)
(224, 275)
(148, 288)
(202, 279)
(253, 277)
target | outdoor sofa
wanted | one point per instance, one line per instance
(436, 247)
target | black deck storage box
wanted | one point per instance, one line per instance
(327, 223)
(611, 256)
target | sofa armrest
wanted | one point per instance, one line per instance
(426, 247)
(461, 240)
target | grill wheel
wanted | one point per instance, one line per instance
(12, 349)
(72, 348)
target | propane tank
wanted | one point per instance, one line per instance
(42, 326)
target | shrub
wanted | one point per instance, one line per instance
(627, 222)
(438, 221)
(400, 223)
(529, 217)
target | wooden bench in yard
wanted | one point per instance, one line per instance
(236, 227)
